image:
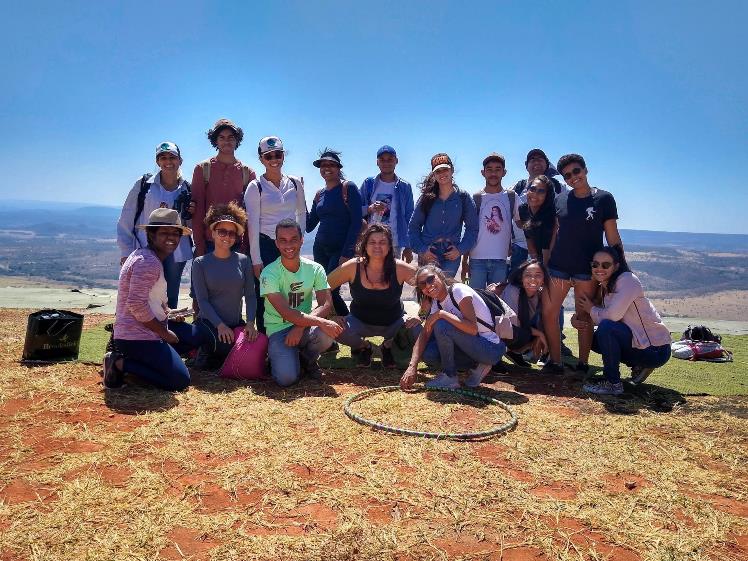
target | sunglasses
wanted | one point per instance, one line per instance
(428, 281)
(537, 190)
(277, 155)
(223, 233)
(575, 171)
(601, 264)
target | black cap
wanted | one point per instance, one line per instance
(537, 152)
(327, 157)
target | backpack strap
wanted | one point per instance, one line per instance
(344, 192)
(512, 201)
(457, 306)
(205, 165)
(246, 176)
(295, 185)
(478, 198)
(318, 195)
(144, 187)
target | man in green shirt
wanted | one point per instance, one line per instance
(297, 333)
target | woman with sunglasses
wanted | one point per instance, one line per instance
(583, 215)
(337, 210)
(459, 332)
(436, 226)
(269, 199)
(538, 217)
(220, 280)
(376, 281)
(629, 329)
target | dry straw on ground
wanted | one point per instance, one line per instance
(230, 471)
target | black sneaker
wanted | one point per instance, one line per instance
(582, 367)
(310, 368)
(363, 356)
(551, 367)
(113, 376)
(499, 368)
(388, 359)
(517, 359)
(332, 349)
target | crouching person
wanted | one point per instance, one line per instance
(297, 334)
(458, 334)
(148, 343)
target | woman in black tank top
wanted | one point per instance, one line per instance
(376, 281)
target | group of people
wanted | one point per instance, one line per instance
(520, 251)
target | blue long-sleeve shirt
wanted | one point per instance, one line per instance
(444, 222)
(339, 224)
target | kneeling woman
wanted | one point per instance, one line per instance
(525, 295)
(147, 342)
(376, 282)
(629, 329)
(221, 278)
(458, 333)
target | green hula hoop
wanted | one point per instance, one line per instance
(500, 429)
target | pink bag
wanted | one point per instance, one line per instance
(246, 361)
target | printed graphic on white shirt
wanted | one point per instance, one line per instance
(494, 227)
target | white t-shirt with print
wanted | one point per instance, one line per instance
(385, 192)
(494, 226)
(482, 312)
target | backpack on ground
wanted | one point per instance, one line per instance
(699, 343)
(700, 333)
(492, 302)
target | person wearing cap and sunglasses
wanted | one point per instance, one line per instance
(583, 215)
(166, 189)
(269, 199)
(439, 216)
(220, 280)
(388, 199)
(149, 337)
(218, 180)
(337, 210)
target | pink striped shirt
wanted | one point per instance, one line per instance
(141, 296)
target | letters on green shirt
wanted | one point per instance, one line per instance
(298, 288)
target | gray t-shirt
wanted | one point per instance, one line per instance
(219, 285)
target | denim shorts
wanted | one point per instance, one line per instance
(569, 276)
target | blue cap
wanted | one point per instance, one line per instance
(386, 150)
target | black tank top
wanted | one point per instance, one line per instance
(376, 307)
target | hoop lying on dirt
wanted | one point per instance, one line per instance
(500, 429)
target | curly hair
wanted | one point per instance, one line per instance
(232, 209)
(390, 267)
(567, 159)
(224, 124)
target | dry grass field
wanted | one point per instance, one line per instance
(234, 471)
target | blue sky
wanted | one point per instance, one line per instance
(653, 94)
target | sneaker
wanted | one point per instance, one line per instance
(499, 368)
(388, 359)
(113, 376)
(639, 374)
(604, 388)
(476, 375)
(582, 367)
(310, 368)
(444, 381)
(566, 351)
(517, 359)
(332, 349)
(551, 367)
(363, 356)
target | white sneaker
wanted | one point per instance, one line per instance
(476, 375)
(444, 381)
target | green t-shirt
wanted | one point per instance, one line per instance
(298, 288)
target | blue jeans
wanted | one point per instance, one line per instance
(284, 360)
(613, 340)
(448, 267)
(486, 271)
(453, 349)
(519, 256)
(268, 253)
(329, 257)
(356, 330)
(173, 275)
(157, 362)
